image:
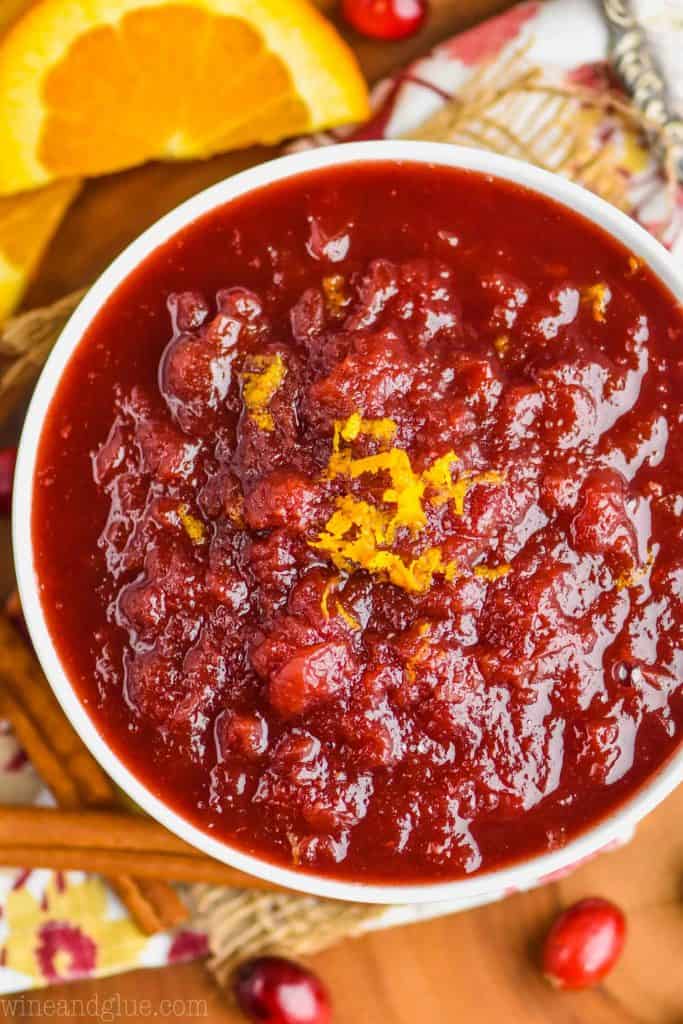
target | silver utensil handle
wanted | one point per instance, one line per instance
(636, 65)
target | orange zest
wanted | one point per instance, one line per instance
(260, 381)
(598, 297)
(360, 534)
(194, 528)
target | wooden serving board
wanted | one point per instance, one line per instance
(478, 967)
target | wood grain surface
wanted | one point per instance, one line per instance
(478, 967)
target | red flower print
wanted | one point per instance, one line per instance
(598, 76)
(188, 945)
(64, 951)
(17, 761)
(487, 40)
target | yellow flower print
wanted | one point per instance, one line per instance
(68, 933)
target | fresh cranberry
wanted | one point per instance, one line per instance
(8, 459)
(385, 19)
(584, 944)
(276, 991)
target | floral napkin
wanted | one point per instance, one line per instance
(58, 926)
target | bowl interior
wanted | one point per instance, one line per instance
(518, 875)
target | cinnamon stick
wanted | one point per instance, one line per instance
(24, 680)
(70, 771)
(114, 830)
(45, 762)
(166, 867)
(152, 894)
(111, 837)
(138, 901)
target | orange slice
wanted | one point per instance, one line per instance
(91, 86)
(27, 223)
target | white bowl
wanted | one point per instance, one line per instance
(486, 884)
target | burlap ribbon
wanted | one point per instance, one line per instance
(25, 344)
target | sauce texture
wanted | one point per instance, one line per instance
(357, 520)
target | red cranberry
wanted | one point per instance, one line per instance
(584, 944)
(276, 991)
(312, 675)
(385, 19)
(8, 458)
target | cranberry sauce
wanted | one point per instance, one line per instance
(358, 522)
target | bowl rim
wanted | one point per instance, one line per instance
(518, 875)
